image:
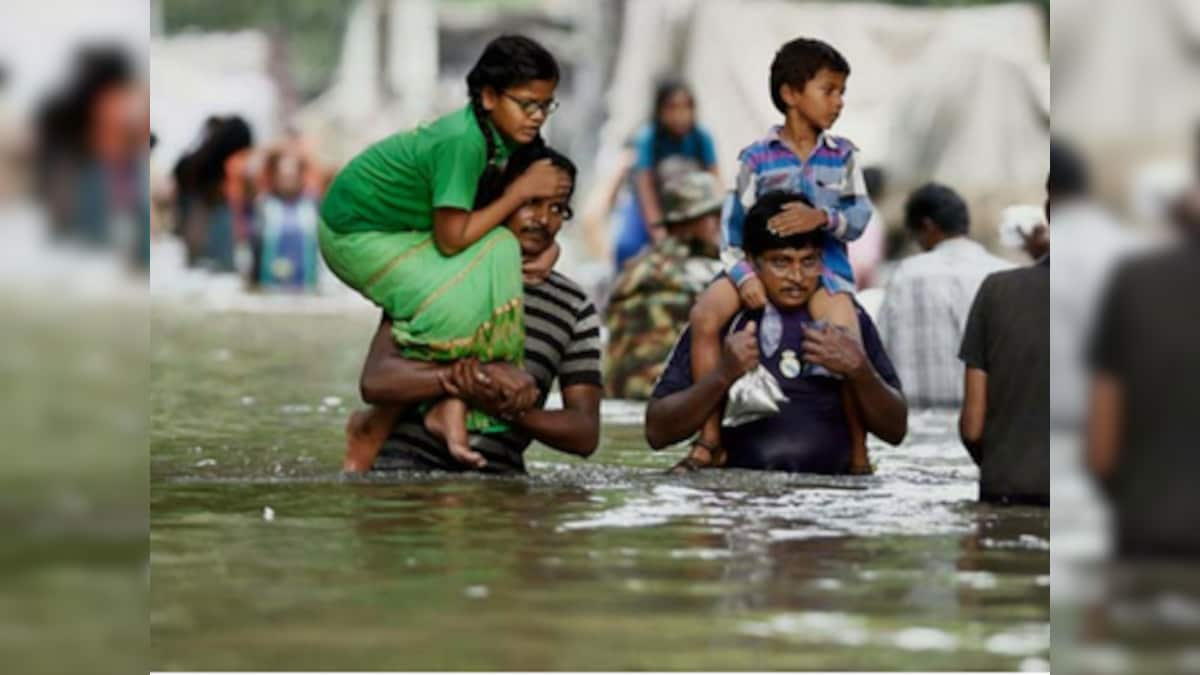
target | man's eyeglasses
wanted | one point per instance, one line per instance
(562, 211)
(530, 107)
(781, 266)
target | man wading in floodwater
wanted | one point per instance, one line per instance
(562, 341)
(810, 434)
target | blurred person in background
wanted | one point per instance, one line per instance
(654, 293)
(1005, 420)
(1145, 394)
(929, 295)
(211, 193)
(1023, 228)
(10, 144)
(867, 252)
(285, 240)
(92, 153)
(671, 144)
(1090, 243)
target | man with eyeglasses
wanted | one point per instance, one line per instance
(810, 433)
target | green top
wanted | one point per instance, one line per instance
(396, 183)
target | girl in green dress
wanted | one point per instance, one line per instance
(398, 224)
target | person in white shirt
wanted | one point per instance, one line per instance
(929, 295)
(1090, 242)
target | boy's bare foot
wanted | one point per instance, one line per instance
(860, 464)
(862, 469)
(366, 430)
(701, 456)
(448, 421)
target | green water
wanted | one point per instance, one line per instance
(597, 564)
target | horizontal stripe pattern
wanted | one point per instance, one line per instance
(562, 331)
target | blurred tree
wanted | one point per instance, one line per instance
(310, 30)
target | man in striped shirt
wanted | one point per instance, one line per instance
(562, 332)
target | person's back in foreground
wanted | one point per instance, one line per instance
(1145, 396)
(1005, 419)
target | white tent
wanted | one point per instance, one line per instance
(958, 95)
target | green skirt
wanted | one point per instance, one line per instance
(443, 308)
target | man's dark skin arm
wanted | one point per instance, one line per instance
(673, 418)
(973, 415)
(884, 409)
(575, 429)
(388, 379)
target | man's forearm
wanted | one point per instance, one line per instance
(884, 410)
(673, 418)
(572, 431)
(393, 381)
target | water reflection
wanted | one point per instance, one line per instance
(597, 564)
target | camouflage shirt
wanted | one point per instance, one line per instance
(648, 310)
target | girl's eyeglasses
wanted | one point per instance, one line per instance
(530, 107)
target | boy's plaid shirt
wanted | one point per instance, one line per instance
(830, 178)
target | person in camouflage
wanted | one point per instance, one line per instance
(655, 291)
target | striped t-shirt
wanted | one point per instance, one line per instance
(562, 340)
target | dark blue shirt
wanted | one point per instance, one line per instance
(810, 433)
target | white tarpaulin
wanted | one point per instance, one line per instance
(957, 95)
(1126, 71)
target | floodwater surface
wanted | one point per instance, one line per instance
(264, 557)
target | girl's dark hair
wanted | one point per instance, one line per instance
(757, 239)
(521, 160)
(507, 61)
(65, 118)
(665, 89)
(799, 61)
(201, 171)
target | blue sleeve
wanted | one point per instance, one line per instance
(643, 145)
(849, 219)
(733, 214)
(873, 346)
(708, 151)
(677, 376)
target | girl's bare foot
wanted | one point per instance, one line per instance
(448, 421)
(366, 430)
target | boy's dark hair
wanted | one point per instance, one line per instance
(940, 204)
(1068, 171)
(757, 239)
(521, 160)
(507, 61)
(799, 61)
